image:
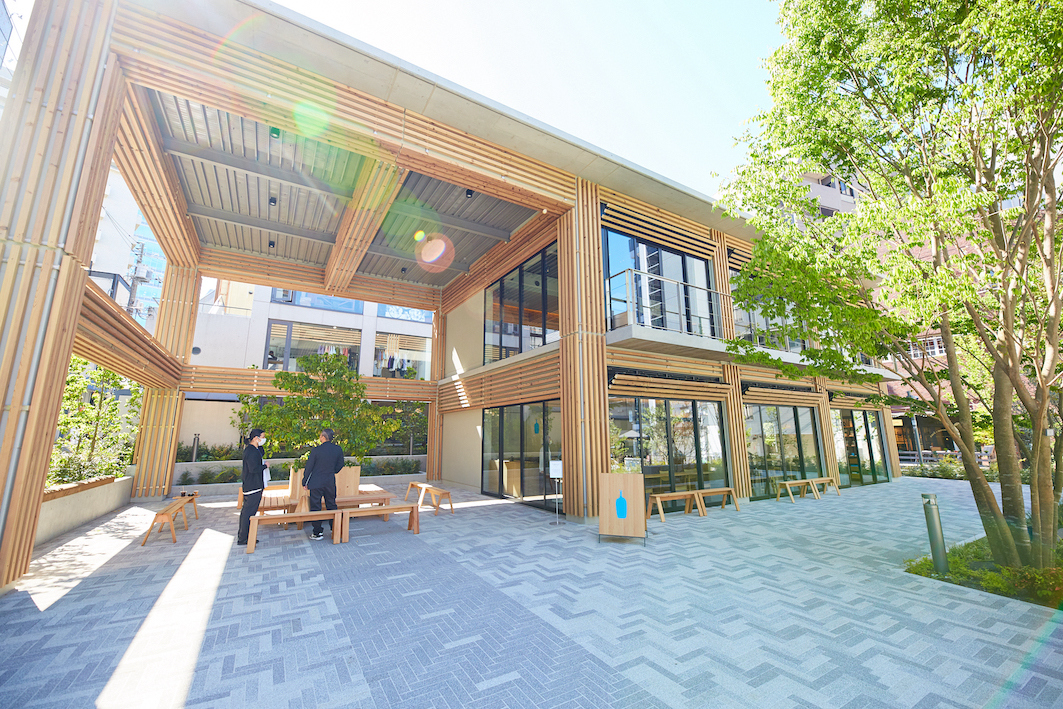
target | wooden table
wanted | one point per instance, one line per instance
(691, 496)
(368, 494)
(803, 485)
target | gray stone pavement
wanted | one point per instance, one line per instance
(779, 605)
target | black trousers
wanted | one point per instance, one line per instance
(316, 493)
(249, 510)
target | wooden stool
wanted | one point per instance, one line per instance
(438, 494)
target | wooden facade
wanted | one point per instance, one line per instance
(80, 97)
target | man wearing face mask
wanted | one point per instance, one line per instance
(253, 482)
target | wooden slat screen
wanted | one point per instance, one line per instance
(654, 362)
(757, 395)
(229, 380)
(534, 379)
(658, 388)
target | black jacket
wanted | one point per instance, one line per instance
(253, 467)
(321, 467)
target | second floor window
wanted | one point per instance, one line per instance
(521, 309)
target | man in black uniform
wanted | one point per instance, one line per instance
(252, 479)
(320, 477)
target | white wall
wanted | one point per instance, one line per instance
(465, 337)
(65, 513)
(463, 447)
(211, 420)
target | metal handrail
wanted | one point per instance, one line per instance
(649, 300)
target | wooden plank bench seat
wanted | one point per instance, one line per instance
(383, 511)
(438, 494)
(824, 482)
(167, 514)
(691, 497)
(286, 517)
(725, 491)
(789, 485)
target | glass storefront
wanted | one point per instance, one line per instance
(859, 445)
(782, 443)
(676, 444)
(402, 356)
(519, 443)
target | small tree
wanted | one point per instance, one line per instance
(94, 431)
(325, 394)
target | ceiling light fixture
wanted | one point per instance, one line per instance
(468, 194)
(402, 270)
(272, 244)
(273, 201)
(274, 132)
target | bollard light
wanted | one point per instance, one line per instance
(933, 528)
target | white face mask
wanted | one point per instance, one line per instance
(262, 441)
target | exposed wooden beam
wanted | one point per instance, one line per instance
(378, 185)
(221, 215)
(386, 252)
(413, 211)
(294, 178)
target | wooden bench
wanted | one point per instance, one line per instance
(789, 485)
(287, 517)
(725, 491)
(437, 493)
(168, 513)
(824, 482)
(691, 497)
(383, 511)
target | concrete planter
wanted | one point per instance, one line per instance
(230, 489)
(71, 506)
(194, 469)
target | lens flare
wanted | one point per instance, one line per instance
(435, 253)
(419, 235)
(311, 119)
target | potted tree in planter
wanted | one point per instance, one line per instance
(325, 394)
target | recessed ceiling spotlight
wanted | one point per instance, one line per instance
(402, 270)
(272, 244)
(468, 194)
(274, 132)
(273, 201)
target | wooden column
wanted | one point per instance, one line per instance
(435, 418)
(736, 431)
(160, 411)
(722, 275)
(56, 140)
(585, 442)
(889, 434)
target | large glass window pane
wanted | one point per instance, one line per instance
(878, 457)
(532, 332)
(510, 315)
(654, 448)
(623, 435)
(710, 440)
(492, 323)
(860, 438)
(700, 306)
(840, 451)
(322, 339)
(791, 455)
(813, 466)
(758, 472)
(684, 446)
(550, 294)
(553, 436)
(277, 346)
(491, 454)
(621, 254)
(511, 450)
(535, 460)
(402, 356)
(772, 446)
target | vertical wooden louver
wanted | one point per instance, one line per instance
(55, 149)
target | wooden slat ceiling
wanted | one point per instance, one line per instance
(230, 168)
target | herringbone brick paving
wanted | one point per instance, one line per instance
(778, 605)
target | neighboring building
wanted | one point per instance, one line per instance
(7, 54)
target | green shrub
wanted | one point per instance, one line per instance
(402, 466)
(206, 476)
(1044, 586)
(72, 468)
(186, 479)
(228, 475)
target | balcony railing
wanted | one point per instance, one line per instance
(640, 298)
(754, 327)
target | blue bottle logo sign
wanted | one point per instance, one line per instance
(621, 506)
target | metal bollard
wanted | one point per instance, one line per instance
(933, 528)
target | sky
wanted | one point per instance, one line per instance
(668, 85)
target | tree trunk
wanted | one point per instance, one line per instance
(1008, 463)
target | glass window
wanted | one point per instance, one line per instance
(791, 454)
(535, 458)
(755, 450)
(623, 435)
(510, 315)
(654, 448)
(711, 444)
(394, 312)
(316, 300)
(287, 341)
(782, 444)
(492, 323)
(813, 466)
(491, 454)
(533, 332)
(840, 451)
(874, 442)
(276, 346)
(684, 447)
(551, 289)
(511, 450)
(402, 356)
